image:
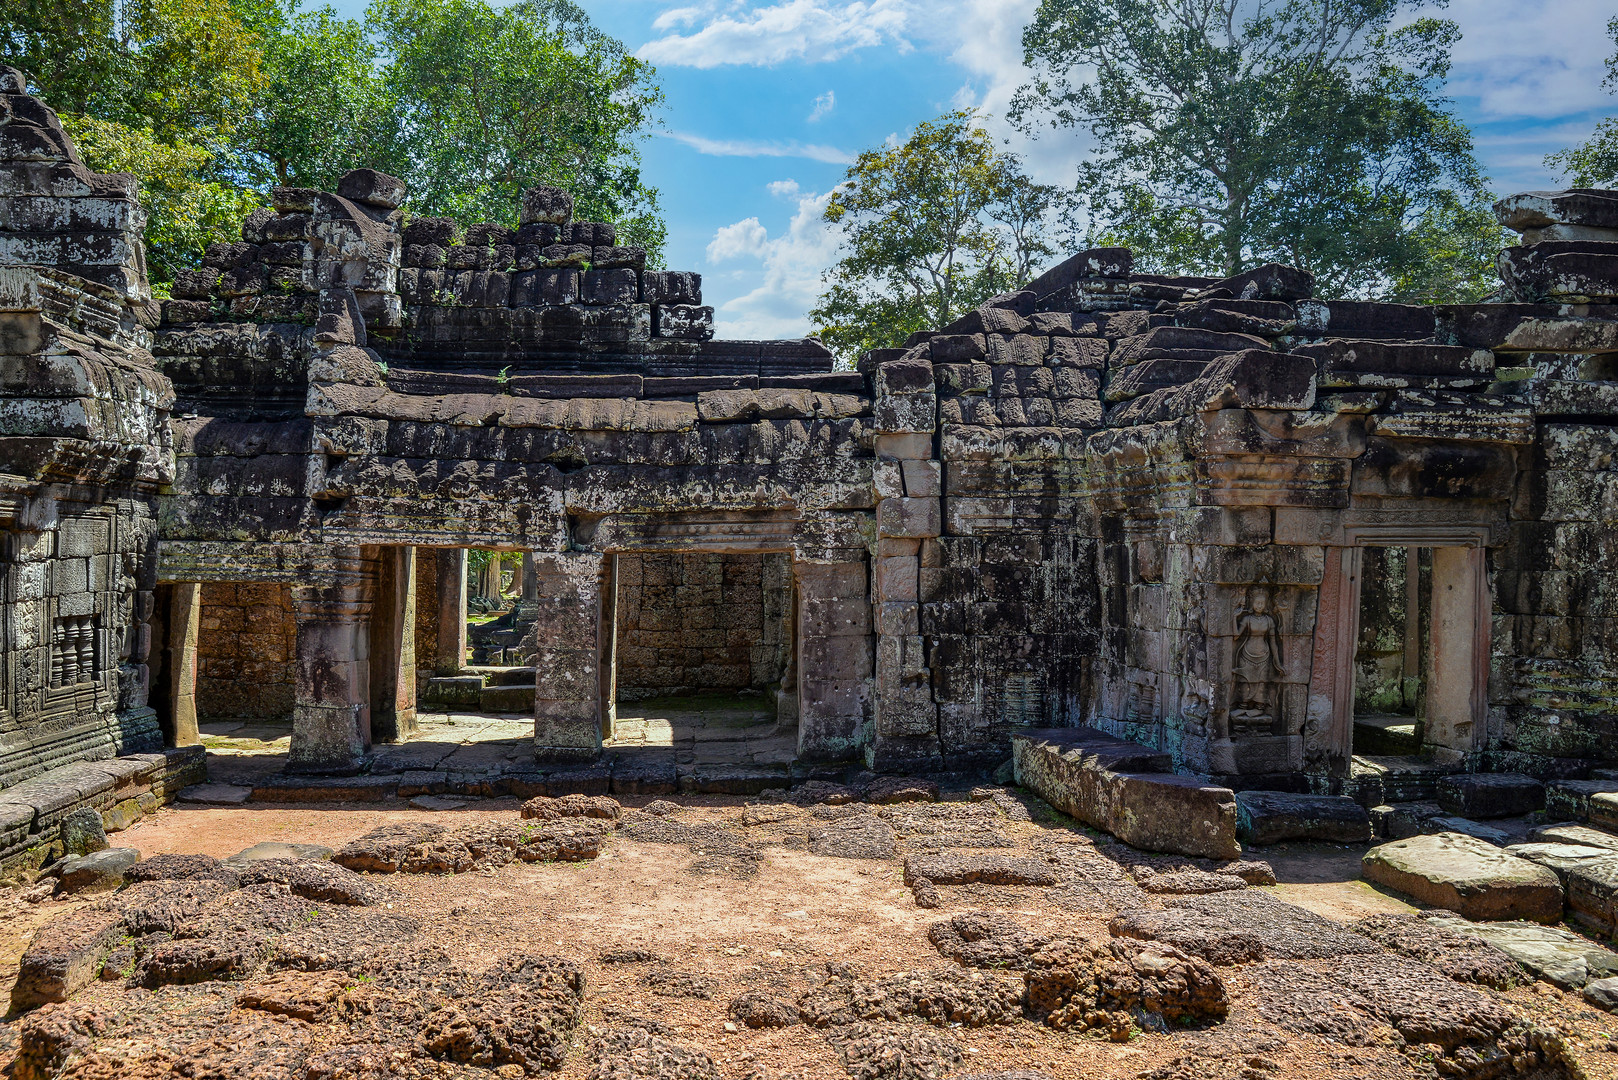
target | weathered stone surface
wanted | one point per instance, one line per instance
(64, 956)
(1490, 795)
(1110, 784)
(1547, 952)
(1467, 876)
(83, 833)
(985, 869)
(1112, 987)
(1269, 817)
(98, 871)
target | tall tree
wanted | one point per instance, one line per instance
(1232, 132)
(489, 101)
(931, 227)
(1595, 164)
(324, 108)
(156, 88)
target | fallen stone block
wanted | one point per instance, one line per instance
(978, 869)
(1553, 953)
(1569, 800)
(83, 832)
(64, 956)
(1490, 795)
(217, 794)
(1466, 875)
(1269, 817)
(1560, 858)
(1602, 993)
(1583, 835)
(1592, 894)
(1443, 823)
(1114, 785)
(1604, 810)
(1400, 821)
(275, 849)
(98, 871)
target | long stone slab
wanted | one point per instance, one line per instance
(1270, 817)
(1126, 790)
(1548, 952)
(1468, 876)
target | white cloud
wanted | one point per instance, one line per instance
(824, 104)
(810, 30)
(783, 189)
(747, 148)
(792, 263)
(746, 237)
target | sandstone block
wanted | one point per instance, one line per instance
(1109, 783)
(1467, 876)
(1269, 817)
(1490, 795)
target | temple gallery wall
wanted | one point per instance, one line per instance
(1276, 538)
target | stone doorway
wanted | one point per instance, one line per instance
(1399, 685)
(703, 657)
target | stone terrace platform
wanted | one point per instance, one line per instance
(706, 745)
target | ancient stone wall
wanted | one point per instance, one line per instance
(246, 649)
(84, 444)
(688, 622)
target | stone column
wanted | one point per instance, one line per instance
(185, 625)
(834, 665)
(1410, 668)
(569, 713)
(1457, 669)
(909, 510)
(331, 712)
(451, 612)
(393, 647)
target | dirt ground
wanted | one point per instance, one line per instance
(728, 931)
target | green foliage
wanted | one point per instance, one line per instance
(186, 209)
(490, 101)
(154, 88)
(1231, 133)
(1595, 164)
(211, 102)
(932, 227)
(323, 110)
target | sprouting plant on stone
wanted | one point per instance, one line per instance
(503, 376)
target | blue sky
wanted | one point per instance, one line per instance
(768, 100)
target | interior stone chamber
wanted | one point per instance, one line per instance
(1140, 503)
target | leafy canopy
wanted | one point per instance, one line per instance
(1234, 132)
(489, 101)
(1595, 164)
(932, 227)
(211, 102)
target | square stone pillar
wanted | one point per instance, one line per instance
(451, 612)
(331, 711)
(1458, 667)
(393, 647)
(185, 625)
(909, 510)
(569, 711)
(834, 658)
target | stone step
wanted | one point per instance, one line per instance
(1604, 811)
(1375, 779)
(1386, 735)
(1490, 795)
(507, 699)
(1467, 876)
(1569, 800)
(455, 691)
(1126, 790)
(1270, 817)
(1563, 833)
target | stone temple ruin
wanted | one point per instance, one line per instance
(1174, 538)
